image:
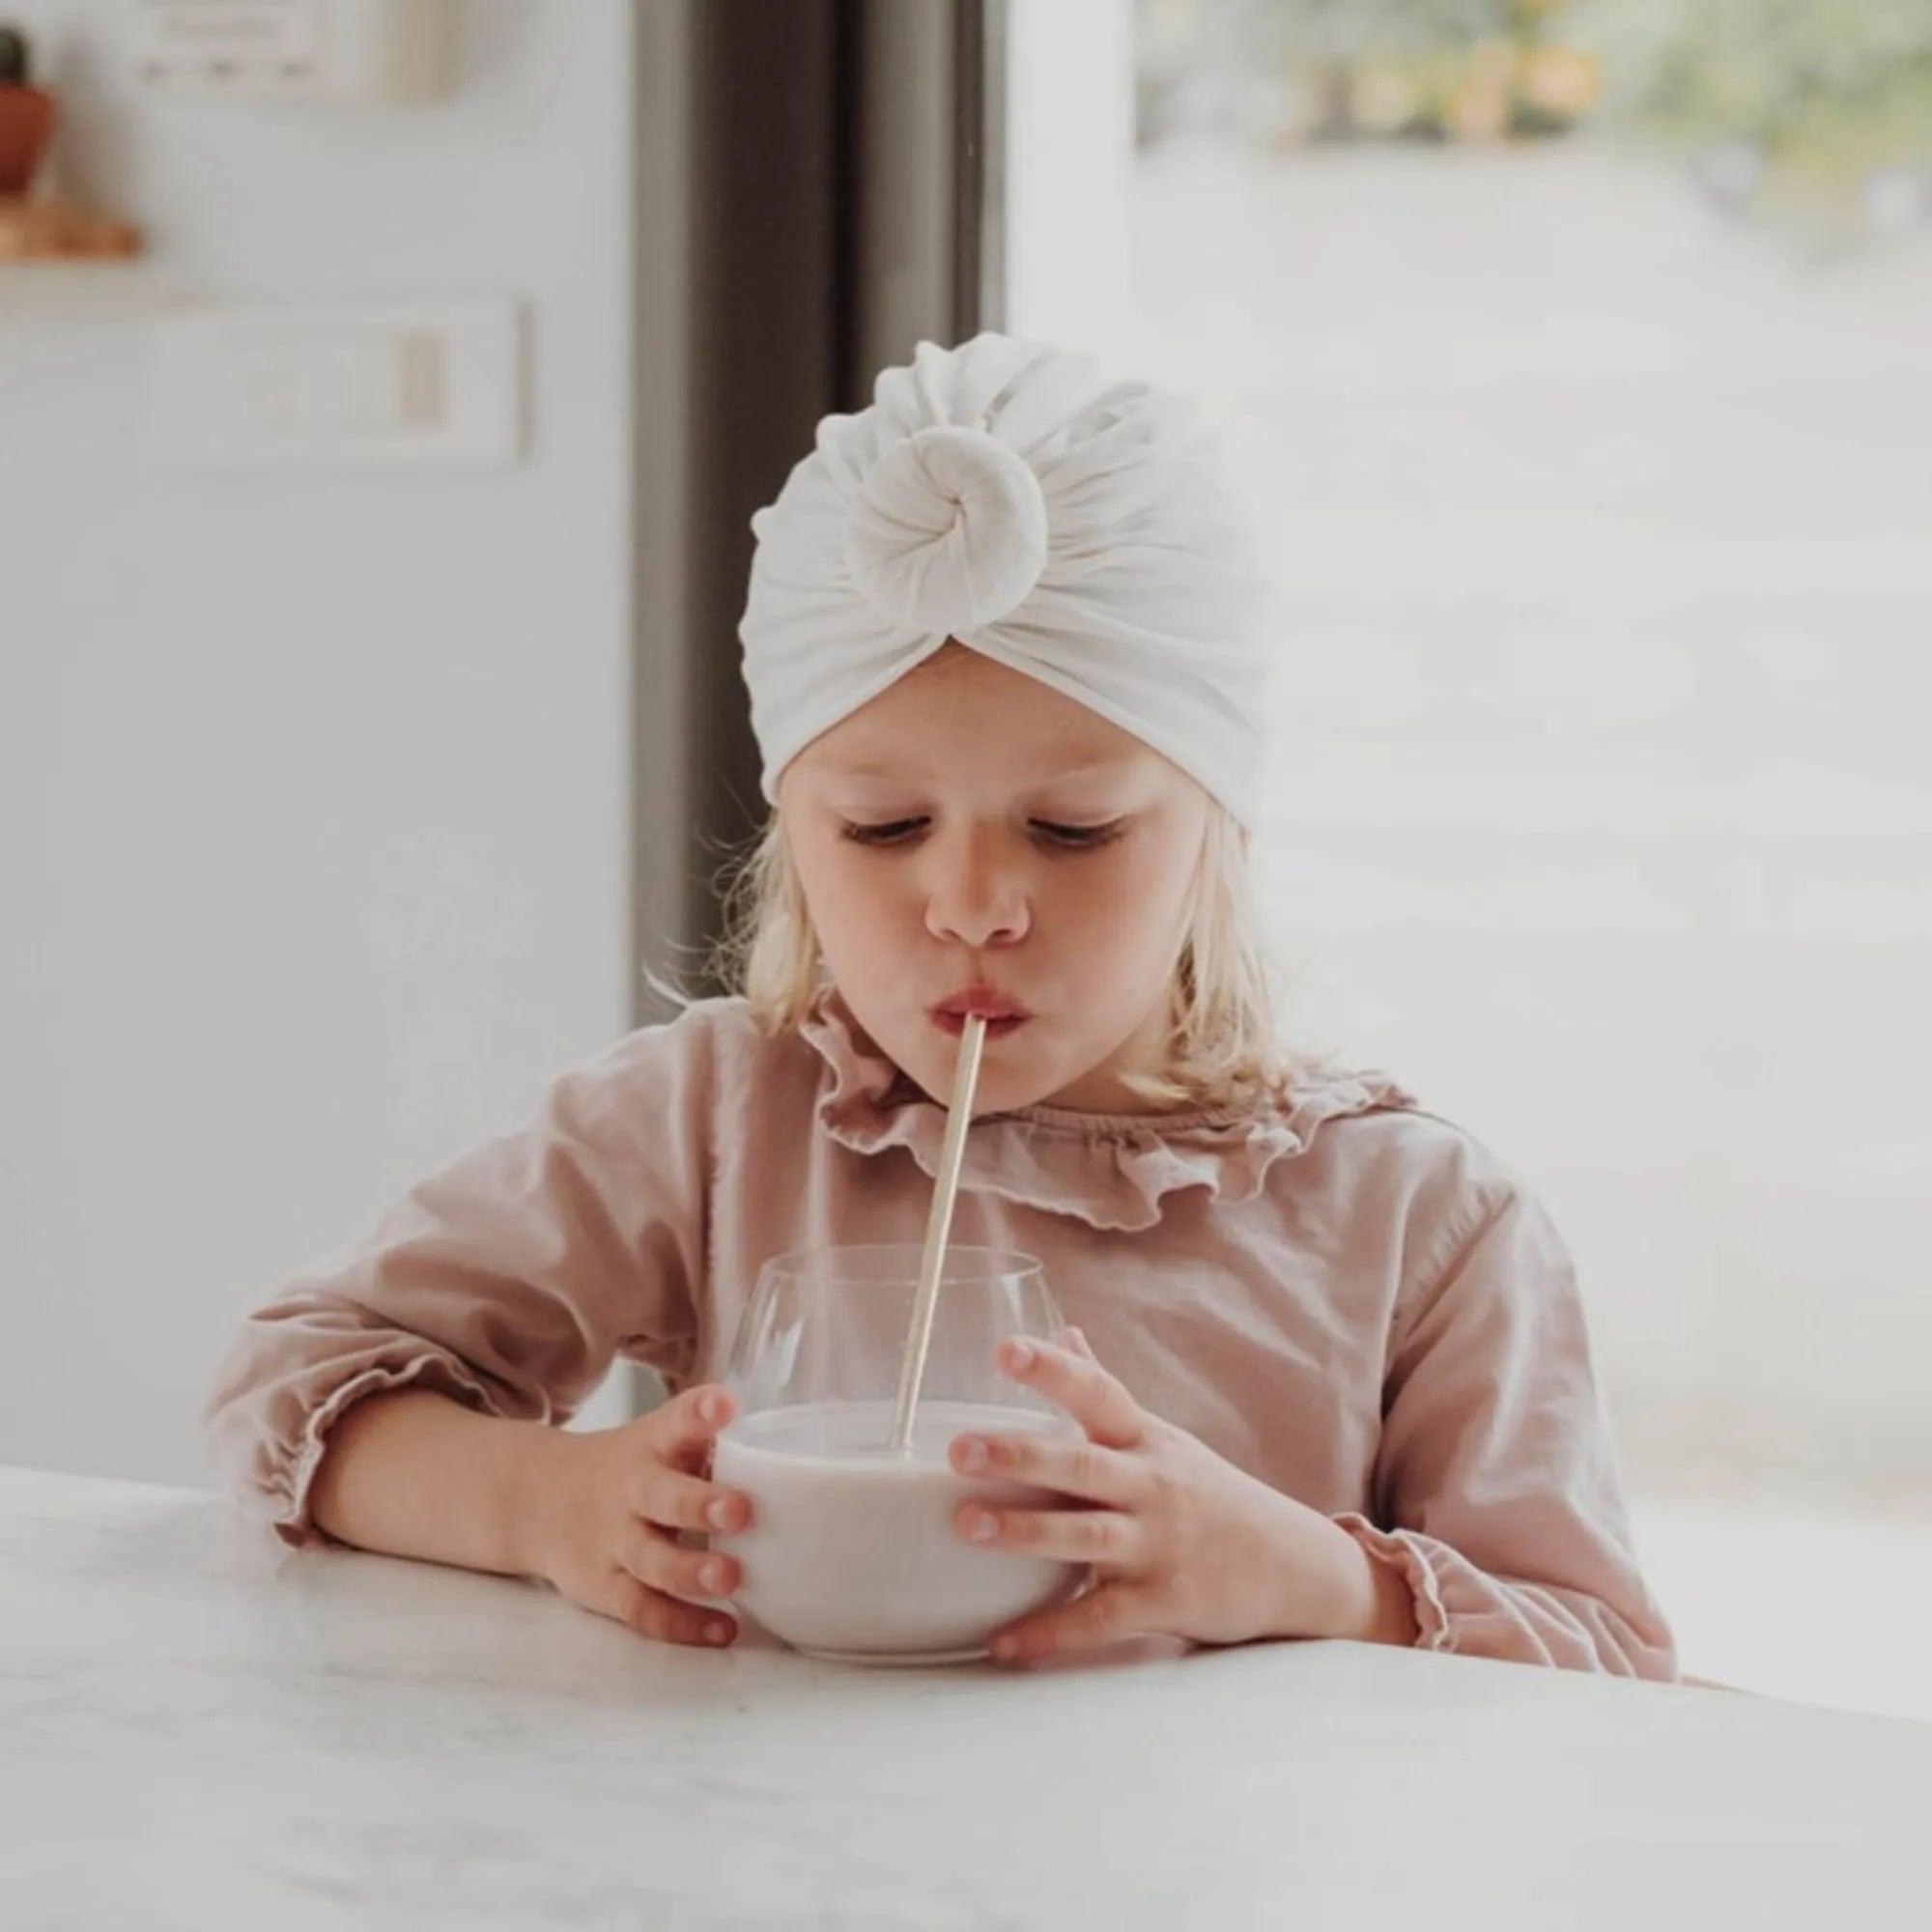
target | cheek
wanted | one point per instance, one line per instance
(858, 905)
(1136, 901)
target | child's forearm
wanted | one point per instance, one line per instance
(1388, 1611)
(414, 1473)
(1369, 1601)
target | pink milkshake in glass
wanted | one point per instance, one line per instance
(852, 1551)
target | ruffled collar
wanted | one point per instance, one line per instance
(1111, 1171)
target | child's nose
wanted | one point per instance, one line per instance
(977, 902)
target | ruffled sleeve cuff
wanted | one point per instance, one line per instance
(279, 1463)
(1614, 1628)
(1410, 1556)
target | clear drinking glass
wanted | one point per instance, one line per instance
(852, 1553)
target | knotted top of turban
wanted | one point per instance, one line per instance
(1001, 494)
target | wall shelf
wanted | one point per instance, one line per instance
(39, 291)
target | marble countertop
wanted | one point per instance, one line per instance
(200, 1728)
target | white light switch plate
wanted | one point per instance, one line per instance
(428, 383)
(371, 53)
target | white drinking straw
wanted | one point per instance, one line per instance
(918, 1337)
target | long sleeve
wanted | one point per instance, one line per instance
(510, 1279)
(1497, 1489)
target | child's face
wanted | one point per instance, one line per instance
(971, 827)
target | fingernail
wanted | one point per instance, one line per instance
(974, 1456)
(982, 1525)
(1020, 1354)
(719, 1514)
(712, 1578)
(717, 1632)
(711, 1407)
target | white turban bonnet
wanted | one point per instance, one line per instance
(1001, 495)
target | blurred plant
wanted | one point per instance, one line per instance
(1338, 70)
(1819, 108)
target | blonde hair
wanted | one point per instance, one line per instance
(1223, 1048)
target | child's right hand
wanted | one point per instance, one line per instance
(604, 1512)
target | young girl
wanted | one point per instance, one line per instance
(1004, 655)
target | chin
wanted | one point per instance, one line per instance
(1003, 1088)
(1000, 1087)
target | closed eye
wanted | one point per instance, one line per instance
(1080, 838)
(1069, 838)
(895, 834)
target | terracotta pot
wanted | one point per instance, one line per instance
(27, 117)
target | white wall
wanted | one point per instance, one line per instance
(312, 791)
(1069, 137)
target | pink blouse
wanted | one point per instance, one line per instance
(1343, 1295)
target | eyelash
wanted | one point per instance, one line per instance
(1066, 837)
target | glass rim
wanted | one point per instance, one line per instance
(808, 1264)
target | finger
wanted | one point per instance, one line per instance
(651, 1613)
(674, 1500)
(684, 1427)
(1066, 1536)
(1110, 1614)
(654, 1559)
(1074, 1467)
(1084, 1390)
(1076, 1339)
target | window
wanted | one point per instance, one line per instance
(1574, 361)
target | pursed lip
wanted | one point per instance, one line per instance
(954, 1025)
(985, 1000)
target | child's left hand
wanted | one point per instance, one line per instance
(1182, 1542)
